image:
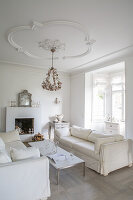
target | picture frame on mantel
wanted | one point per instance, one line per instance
(24, 99)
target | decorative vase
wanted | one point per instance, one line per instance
(59, 117)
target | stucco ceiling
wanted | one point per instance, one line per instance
(109, 22)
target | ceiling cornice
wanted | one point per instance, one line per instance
(108, 57)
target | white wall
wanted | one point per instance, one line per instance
(129, 98)
(78, 97)
(88, 99)
(14, 79)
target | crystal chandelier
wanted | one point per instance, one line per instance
(52, 82)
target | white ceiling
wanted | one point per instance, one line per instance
(111, 69)
(109, 22)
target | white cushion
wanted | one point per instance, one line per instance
(10, 136)
(62, 132)
(2, 145)
(80, 132)
(15, 145)
(20, 154)
(4, 158)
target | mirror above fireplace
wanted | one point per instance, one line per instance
(24, 99)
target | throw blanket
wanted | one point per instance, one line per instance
(100, 139)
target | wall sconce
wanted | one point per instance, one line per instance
(57, 101)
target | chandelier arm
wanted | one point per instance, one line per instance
(52, 58)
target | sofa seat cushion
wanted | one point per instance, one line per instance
(87, 148)
(69, 141)
(16, 145)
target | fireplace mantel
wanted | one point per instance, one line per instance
(23, 112)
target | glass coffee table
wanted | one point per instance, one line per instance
(47, 148)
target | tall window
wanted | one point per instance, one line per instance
(108, 97)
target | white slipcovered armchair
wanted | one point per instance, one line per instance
(26, 179)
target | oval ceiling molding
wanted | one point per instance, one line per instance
(40, 28)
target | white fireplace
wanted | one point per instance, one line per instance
(13, 113)
(24, 125)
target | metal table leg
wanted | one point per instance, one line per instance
(49, 131)
(84, 169)
(58, 175)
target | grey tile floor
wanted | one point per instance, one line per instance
(118, 185)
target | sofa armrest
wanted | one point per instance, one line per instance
(115, 156)
(25, 179)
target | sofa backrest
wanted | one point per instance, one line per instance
(10, 136)
(81, 133)
(62, 132)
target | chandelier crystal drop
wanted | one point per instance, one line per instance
(52, 81)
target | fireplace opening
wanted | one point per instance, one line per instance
(24, 125)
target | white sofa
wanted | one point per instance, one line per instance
(26, 179)
(111, 156)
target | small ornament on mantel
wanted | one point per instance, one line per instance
(36, 104)
(13, 103)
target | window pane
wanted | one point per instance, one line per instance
(117, 79)
(98, 103)
(117, 106)
(116, 87)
